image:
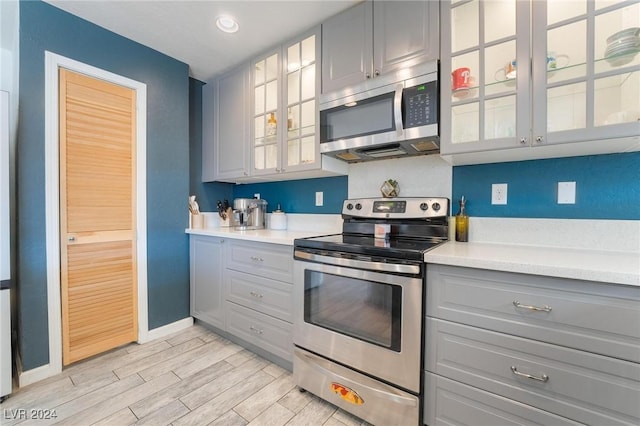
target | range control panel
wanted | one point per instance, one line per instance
(396, 208)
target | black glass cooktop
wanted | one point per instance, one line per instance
(396, 247)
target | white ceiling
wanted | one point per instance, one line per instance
(186, 30)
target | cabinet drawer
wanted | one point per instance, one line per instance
(267, 260)
(270, 334)
(596, 317)
(581, 386)
(261, 294)
(452, 403)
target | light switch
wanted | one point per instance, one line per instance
(319, 198)
(566, 192)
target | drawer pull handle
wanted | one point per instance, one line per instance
(545, 308)
(258, 295)
(256, 330)
(257, 259)
(544, 378)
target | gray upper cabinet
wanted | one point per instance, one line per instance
(405, 34)
(265, 123)
(347, 46)
(375, 38)
(231, 127)
(537, 79)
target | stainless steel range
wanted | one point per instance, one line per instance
(359, 307)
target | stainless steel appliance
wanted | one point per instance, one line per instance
(249, 213)
(390, 116)
(358, 313)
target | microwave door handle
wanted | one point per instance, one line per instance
(397, 110)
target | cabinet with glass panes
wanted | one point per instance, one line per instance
(285, 142)
(561, 77)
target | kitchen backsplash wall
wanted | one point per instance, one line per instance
(607, 187)
(298, 196)
(45, 27)
(425, 176)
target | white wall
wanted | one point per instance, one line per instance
(9, 64)
(422, 176)
(9, 60)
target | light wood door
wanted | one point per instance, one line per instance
(97, 215)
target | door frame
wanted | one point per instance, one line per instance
(52, 196)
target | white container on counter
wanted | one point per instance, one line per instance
(278, 220)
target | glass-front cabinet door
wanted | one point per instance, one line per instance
(266, 126)
(528, 74)
(488, 95)
(301, 148)
(285, 111)
(586, 70)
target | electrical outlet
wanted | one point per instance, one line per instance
(499, 193)
(319, 199)
(256, 195)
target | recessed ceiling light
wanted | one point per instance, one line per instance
(227, 24)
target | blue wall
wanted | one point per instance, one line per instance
(607, 187)
(207, 193)
(44, 27)
(298, 196)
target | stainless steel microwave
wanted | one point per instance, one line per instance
(389, 116)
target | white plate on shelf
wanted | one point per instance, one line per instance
(465, 93)
(625, 48)
(620, 59)
(624, 34)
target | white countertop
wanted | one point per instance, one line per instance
(285, 237)
(617, 261)
(592, 265)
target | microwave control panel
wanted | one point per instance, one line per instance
(420, 104)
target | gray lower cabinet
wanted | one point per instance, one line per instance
(244, 289)
(525, 348)
(258, 292)
(264, 331)
(206, 258)
(453, 403)
(273, 261)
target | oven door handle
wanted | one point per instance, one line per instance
(314, 364)
(361, 264)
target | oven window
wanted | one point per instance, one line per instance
(366, 310)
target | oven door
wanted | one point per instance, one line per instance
(362, 319)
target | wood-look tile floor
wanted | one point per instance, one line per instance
(194, 377)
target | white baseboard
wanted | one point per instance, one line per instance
(165, 330)
(36, 374)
